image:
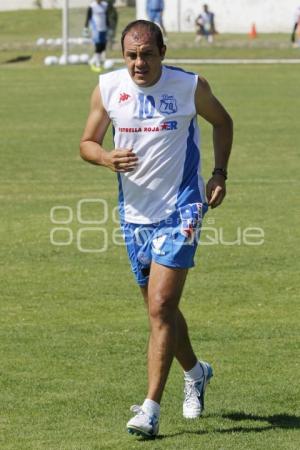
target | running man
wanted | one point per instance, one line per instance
(162, 200)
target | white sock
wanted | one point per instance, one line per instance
(102, 57)
(151, 407)
(92, 59)
(95, 59)
(195, 373)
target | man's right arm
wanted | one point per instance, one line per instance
(91, 149)
(89, 14)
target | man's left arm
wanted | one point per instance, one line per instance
(209, 107)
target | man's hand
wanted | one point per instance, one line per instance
(120, 160)
(215, 190)
(85, 32)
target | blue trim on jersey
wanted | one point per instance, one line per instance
(189, 191)
(180, 70)
(121, 198)
(93, 26)
(121, 193)
(99, 37)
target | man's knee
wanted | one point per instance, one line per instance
(162, 308)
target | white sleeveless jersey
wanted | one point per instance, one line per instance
(160, 124)
(98, 20)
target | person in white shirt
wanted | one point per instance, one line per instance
(96, 21)
(162, 197)
(205, 25)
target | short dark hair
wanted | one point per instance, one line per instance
(151, 27)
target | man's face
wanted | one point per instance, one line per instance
(142, 56)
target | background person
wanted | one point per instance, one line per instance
(205, 25)
(153, 109)
(155, 10)
(112, 22)
(295, 27)
(97, 21)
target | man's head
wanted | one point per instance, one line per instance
(205, 7)
(143, 50)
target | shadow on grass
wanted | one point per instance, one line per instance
(21, 58)
(282, 421)
(285, 421)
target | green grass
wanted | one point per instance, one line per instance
(20, 40)
(73, 330)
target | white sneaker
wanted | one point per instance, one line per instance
(193, 404)
(142, 424)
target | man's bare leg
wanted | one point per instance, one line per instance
(184, 352)
(175, 339)
(168, 335)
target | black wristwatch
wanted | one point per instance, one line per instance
(220, 171)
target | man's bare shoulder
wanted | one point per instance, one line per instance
(203, 86)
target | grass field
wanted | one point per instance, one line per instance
(73, 330)
(31, 25)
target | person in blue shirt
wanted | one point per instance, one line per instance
(155, 10)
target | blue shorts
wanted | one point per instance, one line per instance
(99, 37)
(171, 242)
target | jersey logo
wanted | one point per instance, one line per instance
(191, 219)
(168, 104)
(124, 97)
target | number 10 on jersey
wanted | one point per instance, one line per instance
(146, 106)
